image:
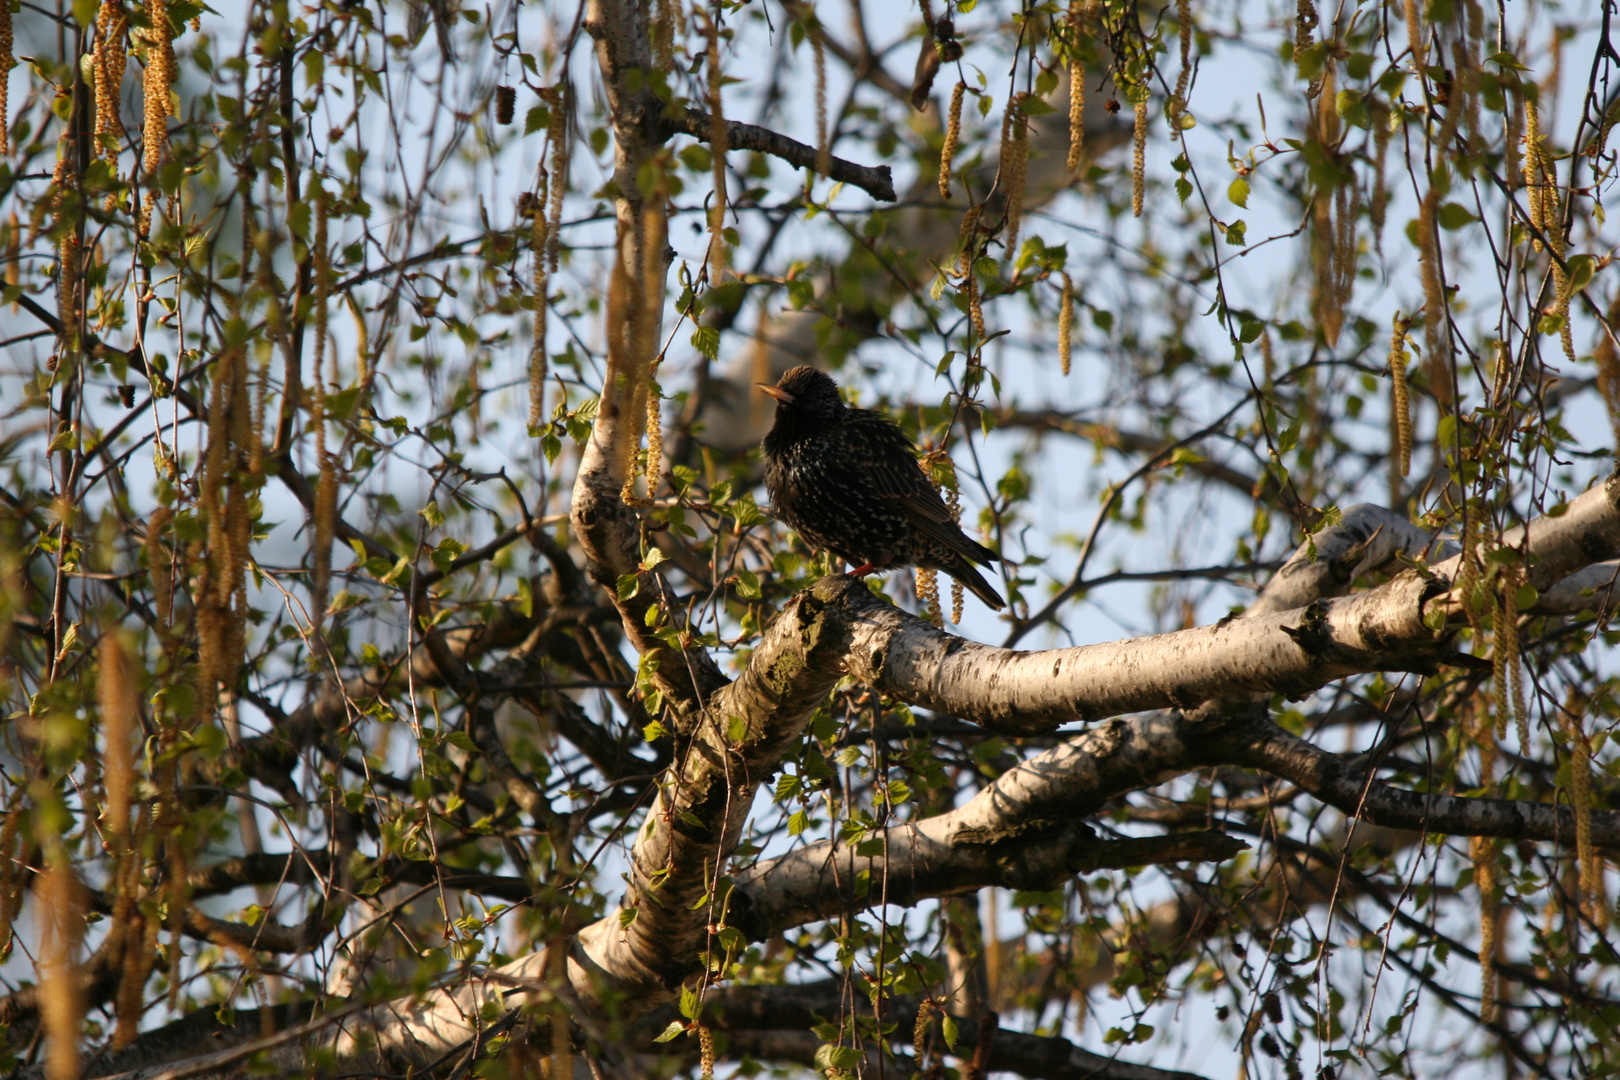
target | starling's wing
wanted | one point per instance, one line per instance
(891, 466)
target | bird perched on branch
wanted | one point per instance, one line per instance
(848, 480)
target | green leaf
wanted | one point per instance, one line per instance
(629, 586)
(689, 1003)
(949, 1029)
(1454, 216)
(674, 1029)
(706, 340)
(1581, 269)
(1238, 192)
(836, 1057)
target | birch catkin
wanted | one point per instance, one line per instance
(1483, 850)
(61, 911)
(1015, 143)
(1066, 323)
(7, 62)
(1589, 866)
(116, 693)
(1139, 157)
(538, 229)
(717, 150)
(1400, 401)
(326, 485)
(111, 57)
(157, 82)
(928, 594)
(823, 145)
(1077, 88)
(1178, 102)
(953, 135)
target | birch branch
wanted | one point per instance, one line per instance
(875, 180)
(1390, 628)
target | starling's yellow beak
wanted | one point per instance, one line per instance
(777, 392)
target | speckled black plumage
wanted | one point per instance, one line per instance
(848, 480)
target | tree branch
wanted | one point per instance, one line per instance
(874, 180)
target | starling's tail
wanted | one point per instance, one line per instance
(964, 572)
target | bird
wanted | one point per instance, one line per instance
(848, 481)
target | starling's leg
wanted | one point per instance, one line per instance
(868, 568)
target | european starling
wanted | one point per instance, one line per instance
(848, 480)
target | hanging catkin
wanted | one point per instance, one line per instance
(705, 1052)
(1382, 115)
(1534, 179)
(60, 902)
(116, 693)
(1483, 851)
(157, 83)
(537, 348)
(157, 564)
(1139, 154)
(1015, 167)
(919, 1036)
(1400, 408)
(664, 36)
(1607, 359)
(111, 57)
(1414, 35)
(1077, 87)
(717, 150)
(1178, 101)
(7, 62)
(655, 431)
(928, 594)
(326, 485)
(559, 133)
(1066, 323)
(1590, 867)
(823, 145)
(953, 134)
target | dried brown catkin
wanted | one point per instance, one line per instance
(7, 62)
(1184, 21)
(823, 145)
(953, 135)
(326, 485)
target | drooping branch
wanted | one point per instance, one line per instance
(1355, 793)
(1038, 1057)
